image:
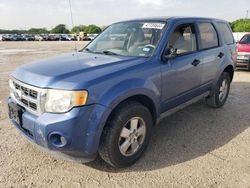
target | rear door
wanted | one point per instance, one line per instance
(211, 50)
(228, 41)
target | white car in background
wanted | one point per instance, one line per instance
(67, 37)
(92, 36)
(38, 38)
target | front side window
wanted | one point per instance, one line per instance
(128, 38)
(208, 36)
(245, 39)
(182, 40)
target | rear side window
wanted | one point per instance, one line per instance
(208, 36)
(225, 33)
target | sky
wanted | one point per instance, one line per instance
(24, 14)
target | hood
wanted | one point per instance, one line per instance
(243, 48)
(74, 70)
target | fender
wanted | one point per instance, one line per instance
(225, 63)
(122, 91)
(128, 88)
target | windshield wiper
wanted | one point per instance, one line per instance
(88, 50)
(107, 52)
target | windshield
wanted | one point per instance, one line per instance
(245, 40)
(128, 38)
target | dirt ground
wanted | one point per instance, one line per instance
(195, 147)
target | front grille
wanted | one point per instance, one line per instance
(33, 94)
(25, 102)
(27, 96)
(29, 104)
(26, 91)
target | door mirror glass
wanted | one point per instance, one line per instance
(171, 53)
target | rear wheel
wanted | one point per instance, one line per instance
(219, 97)
(126, 134)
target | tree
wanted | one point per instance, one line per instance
(60, 29)
(104, 27)
(38, 31)
(15, 31)
(92, 29)
(78, 29)
(242, 25)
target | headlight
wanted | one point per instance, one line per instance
(60, 101)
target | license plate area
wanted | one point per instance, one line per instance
(15, 113)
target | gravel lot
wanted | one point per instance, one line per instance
(195, 147)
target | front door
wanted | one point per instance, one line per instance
(181, 73)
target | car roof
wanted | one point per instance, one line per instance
(172, 18)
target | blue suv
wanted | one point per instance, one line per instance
(106, 98)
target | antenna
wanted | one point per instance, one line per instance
(72, 23)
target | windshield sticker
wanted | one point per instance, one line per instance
(153, 25)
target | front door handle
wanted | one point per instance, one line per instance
(196, 62)
(221, 55)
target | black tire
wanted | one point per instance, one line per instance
(214, 99)
(109, 145)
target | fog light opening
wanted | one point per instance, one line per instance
(58, 140)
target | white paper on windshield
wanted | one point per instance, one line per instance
(153, 25)
(146, 49)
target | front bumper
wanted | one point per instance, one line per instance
(243, 58)
(80, 129)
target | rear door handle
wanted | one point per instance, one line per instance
(196, 62)
(221, 55)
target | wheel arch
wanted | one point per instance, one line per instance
(143, 91)
(230, 70)
(142, 99)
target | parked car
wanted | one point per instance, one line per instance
(83, 36)
(45, 37)
(107, 98)
(53, 37)
(39, 38)
(92, 36)
(67, 37)
(26, 37)
(243, 46)
(6, 37)
(17, 37)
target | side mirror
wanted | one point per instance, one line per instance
(171, 53)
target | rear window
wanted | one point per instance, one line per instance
(208, 36)
(225, 33)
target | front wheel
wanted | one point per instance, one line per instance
(219, 97)
(126, 134)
